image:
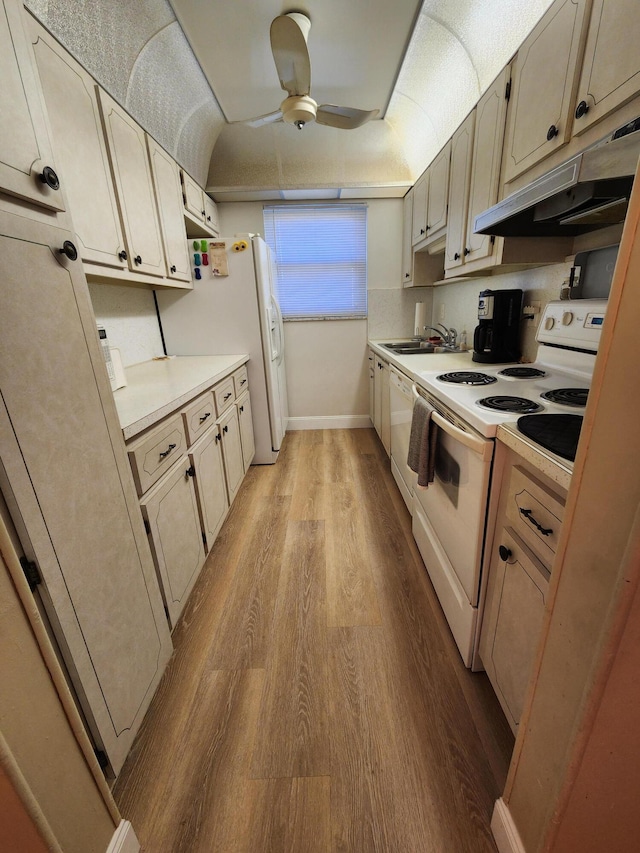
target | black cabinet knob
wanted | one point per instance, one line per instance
(406, 275)
(582, 109)
(456, 257)
(137, 259)
(203, 212)
(208, 219)
(49, 177)
(190, 472)
(467, 251)
(123, 255)
(173, 268)
(242, 408)
(69, 250)
(504, 552)
(553, 131)
(218, 437)
(225, 428)
(422, 231)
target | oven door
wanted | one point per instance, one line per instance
(449, 521)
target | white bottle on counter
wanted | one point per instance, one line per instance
(463, 340)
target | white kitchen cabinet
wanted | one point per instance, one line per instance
(171, 511)
(382, 403)
(247, 438)
(229, 429)
(459, 184)
(200, 211)
(371, 362)
(166, 181)
(27, 167)
(72, 105)
(206, 460)
(438, 204)
(420, 209)
(611, 66)
(131, 171)
(544, 82)
(407, 249)
(66, 480)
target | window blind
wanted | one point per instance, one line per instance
(321, 259)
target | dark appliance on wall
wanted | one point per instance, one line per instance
(497, 336)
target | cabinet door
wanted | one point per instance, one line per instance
(513, 619)
(420, 202)
(25, 147)
(70, 96)
(65, 473)
(193, 200)
(229, 428)
(543, 89)
(134, 188)
(491, 113)
(206, 458)
(171, 511)
(385, 409)
(210, 214)
(246, 431)
(611, 66)
(438, 205)
(166, 180)
(372, 365)
(459, 183)
(407, 225)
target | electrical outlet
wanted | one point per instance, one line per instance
(442, 313)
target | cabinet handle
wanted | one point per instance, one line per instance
(69, 250)
(203, 212)
(190, 472)
(166, 452)
(225, 428)
(226, 397)
(406, 275)
(243, 382)
(208, 219)
(218, 437)
(553, 131)
(204, 417)
(456, 257)
(242, 408)
(546, 531)
(467, 251)
(49, 177)
(582, 109)
(123, 255)
(173, 268)
(504, 552)
(422, 231)
(137, 259)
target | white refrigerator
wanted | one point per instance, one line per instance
(237, 313)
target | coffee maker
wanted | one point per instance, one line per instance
(497, 335)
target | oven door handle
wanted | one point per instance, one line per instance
(481, 446)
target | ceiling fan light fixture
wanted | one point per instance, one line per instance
(298, 110)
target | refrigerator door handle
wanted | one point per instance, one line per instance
(278, 312)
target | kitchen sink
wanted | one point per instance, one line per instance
(417, 348)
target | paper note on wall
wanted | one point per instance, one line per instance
(218, 259)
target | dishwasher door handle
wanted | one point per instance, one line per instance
(481, 446)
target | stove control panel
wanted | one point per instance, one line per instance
(578, 327)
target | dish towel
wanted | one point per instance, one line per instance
(422, 443)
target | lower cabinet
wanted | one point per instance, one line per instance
(229, 430)
(206, 458)
(381, 403)
(246, 430)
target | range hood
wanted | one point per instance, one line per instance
(587, 192)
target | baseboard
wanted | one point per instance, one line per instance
(504, 830)
(124, 839)
(330, 422)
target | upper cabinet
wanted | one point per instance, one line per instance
(420, 209)
(544, 83)
(166, 181)
(131, 172)
(407, 252)
(611, 66)
(72, 106)
(438, 206)
(459, 185)
(200, 211)
(27, 167)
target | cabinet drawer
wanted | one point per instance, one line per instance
(199, 416)
(241, 381)
(154, 453)
(224, 395)
(535, 513)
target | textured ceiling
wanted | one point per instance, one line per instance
(430, 77)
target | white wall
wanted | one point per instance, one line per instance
(129, 317)
(326, 360)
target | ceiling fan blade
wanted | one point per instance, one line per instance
(289, 46)
(259, 121)
(346, 118)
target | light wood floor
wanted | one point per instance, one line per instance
(316, 700)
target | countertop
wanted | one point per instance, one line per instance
(157, 388)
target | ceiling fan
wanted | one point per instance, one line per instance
(289, 35)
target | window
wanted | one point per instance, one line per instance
(321, 258)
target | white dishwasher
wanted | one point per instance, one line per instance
(401, 399)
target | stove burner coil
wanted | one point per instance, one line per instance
(467, 377)
(522, 372)
(518, 405)
(567, 396)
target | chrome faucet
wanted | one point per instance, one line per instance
(449, 336)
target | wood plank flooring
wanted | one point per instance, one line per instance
(316, 700)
